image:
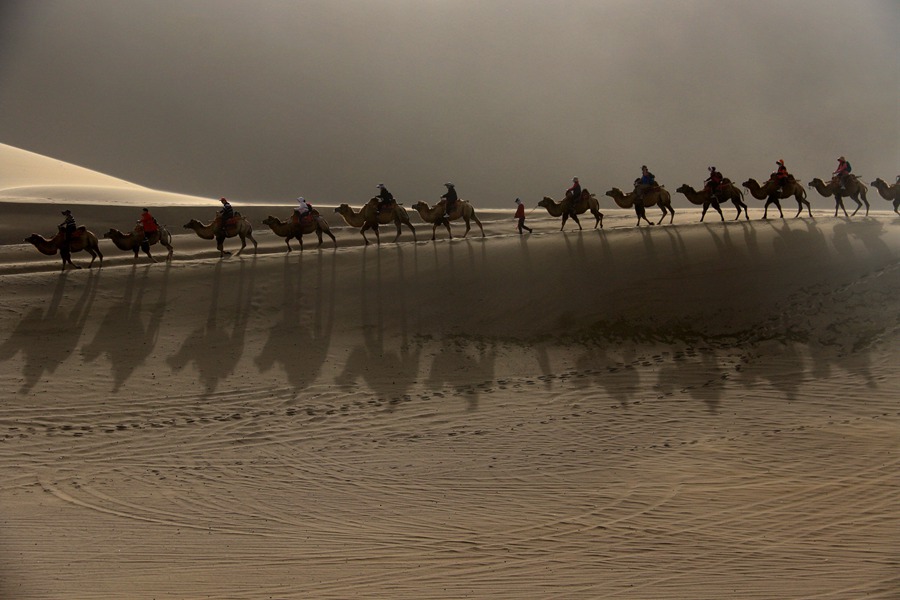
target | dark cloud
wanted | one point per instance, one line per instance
(269, 100)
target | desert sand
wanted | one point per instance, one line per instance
(683, 411)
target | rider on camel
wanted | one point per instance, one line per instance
(713, 182)
(451, 199)
(385, 198)
(148, 224)
(302, 209)
(644, 184)
(224, 215)
(68, 227)
(842, 173)
(575, 192)
(781, 177)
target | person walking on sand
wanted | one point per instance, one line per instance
(520, 216)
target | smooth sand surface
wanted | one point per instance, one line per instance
(689, 411)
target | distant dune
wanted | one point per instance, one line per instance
(29, 177)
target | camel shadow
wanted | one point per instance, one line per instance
(695, 372)
(216, 346)
(299, 340)
(46, 338)
(467, 368)
(387, 366)
(619, 378)
(122, 335)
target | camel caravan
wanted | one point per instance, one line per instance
(384, 209)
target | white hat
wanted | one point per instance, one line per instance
(301, 199)
(448, 184)
(380, 186)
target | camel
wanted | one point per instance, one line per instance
(294, 229)
(82, 239)
(891, 193)
(587, 202)
(727, 191)
(368, 217)
(855, 189)
(239, 226)
(435, 215)
(657, 196)
(766, 192)
(136, 241)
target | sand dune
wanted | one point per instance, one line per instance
(689, 411)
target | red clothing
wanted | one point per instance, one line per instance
(520, 211)
(842, 168)
(148, 223)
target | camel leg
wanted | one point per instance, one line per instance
(397, 225)
(220, 245)
(705, 208)
(287, 241)
(839, 203)
(671, 215)
(244, 244)
(331, 235)
(255, 245)
(413, 229)
(598, 219)
(663, 214)
(575, 218)
(858, 205)
(601, 219)
(319, 235)
(565, 218)
(477, 222)
(715, 205)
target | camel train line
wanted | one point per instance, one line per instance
(370, 216)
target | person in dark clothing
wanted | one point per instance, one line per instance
(644, 184)
(713, 182)
(575, 193)
(224, 215)
(520, 217)
(451, 199)
(68, 227)
(385, 198)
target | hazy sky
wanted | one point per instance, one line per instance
(267, 100)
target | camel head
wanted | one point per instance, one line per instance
(546, 202)
(879, 182)
(33, 239)
(614, 192)
(748, 183)
(112, 233)
(193, 224)
(816, 181)
(685, 189)
(342, 208)
(421, 205)
(270, 220)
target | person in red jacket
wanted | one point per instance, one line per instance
(781, 176)
(842, 173)
(520, 216)
(148, 223)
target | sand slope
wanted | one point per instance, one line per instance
(689, 411)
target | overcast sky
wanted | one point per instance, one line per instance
(268, 100)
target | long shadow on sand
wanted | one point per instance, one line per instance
(299, 340)
(216, 346)
(123, 336)
(386, 365)
(46, 338)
